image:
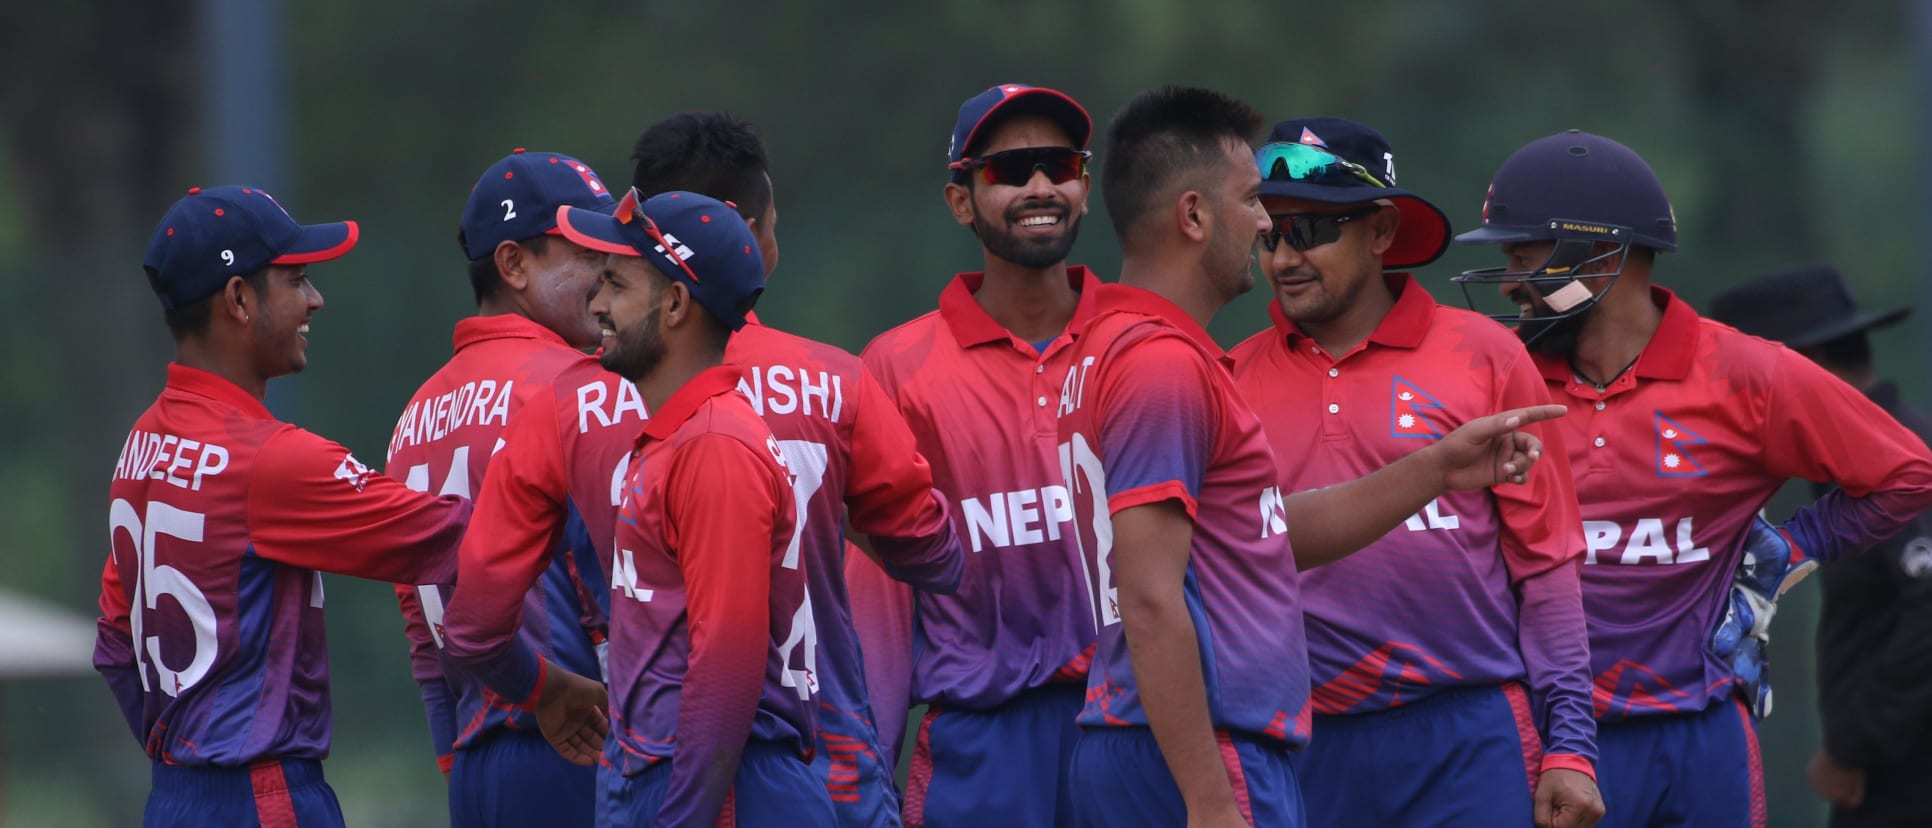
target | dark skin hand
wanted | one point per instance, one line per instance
(1567, 799)
(570, 713)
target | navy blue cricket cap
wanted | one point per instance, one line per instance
(517, 198)
(981, 111)
(215, 234)
(691, 238)
(1422, 233)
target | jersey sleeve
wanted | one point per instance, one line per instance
(1541, 525)
(114, 650)
(889, 495)
(1156, 422)
(314, 505)
(520, 514)
(1825, 431)
(721, 507)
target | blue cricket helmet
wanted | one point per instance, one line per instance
(1580, 191)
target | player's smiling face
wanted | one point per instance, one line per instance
(1033, 225)
(625, 308)
(560, 281)
(1324, 282)
(280, 324)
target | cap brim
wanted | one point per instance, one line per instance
(1420, 237)
(1038, 100)
(594, 230)
(320, 243)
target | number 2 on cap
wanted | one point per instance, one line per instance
(509, 209)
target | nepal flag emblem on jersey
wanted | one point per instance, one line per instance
(1409, 411)
(1673, 449)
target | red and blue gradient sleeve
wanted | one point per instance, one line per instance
(1157, 423)
(520, 514)
(1542, 544)
(721, 505)
(889, 495)
(426, 666)
(315, 506)
(1825, 431)
(114, 650)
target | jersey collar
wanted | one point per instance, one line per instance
(1404, 326)
(215, 387)
(972, 326)
(475, 329)
(1127, 299)
(686, 401)
(1667, 356)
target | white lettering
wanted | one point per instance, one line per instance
(1058, 508)
(1021, 514)
(1687, 550)
(822, 391)
(779, 386)
(623, 576)
(590, 400)
(1647, 542)
(1274, 513)
(1600, 536)
(989, 524)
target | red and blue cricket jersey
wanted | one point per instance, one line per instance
(442, 442)
(563, 461)
(1434, 604)
(1672, 461)
(852, 458)
(981, 403)
(211, 634)
(712, 637)
(1149, 413)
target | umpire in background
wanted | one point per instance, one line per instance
(1875, 633)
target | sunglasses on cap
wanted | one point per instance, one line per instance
(1303, 231)
(1015, 167)
(1311, 165)
(631, 209)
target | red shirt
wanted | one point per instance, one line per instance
(1148, 413)
(443, 441)
(981, 403)
(1450, 585)
(711, 630)
(221, 519)
(1673, 460)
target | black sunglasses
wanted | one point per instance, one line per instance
(1015, 167)
(1309, 230)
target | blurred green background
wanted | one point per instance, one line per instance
(1784, 131)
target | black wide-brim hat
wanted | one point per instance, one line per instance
(1423, 232)
(1799, 306)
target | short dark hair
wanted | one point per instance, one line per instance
(1161, 135)
(192, 319)
(485, 279)
(708, 153)
(1851, 352)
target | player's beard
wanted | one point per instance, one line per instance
(1553, 336)
(637, 350)
(1009, 242)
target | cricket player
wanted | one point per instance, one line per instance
(713, 713)
(1199, 689)
(1002, 663)
(851, 454)
(211, 635)
(532, 319)
(1436, 651)
(1682, 429)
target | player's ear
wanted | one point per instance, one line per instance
(677, 304)
(237, 299)
(1383, 226)
(959, 199)
(1190, 216)
(512, 263)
